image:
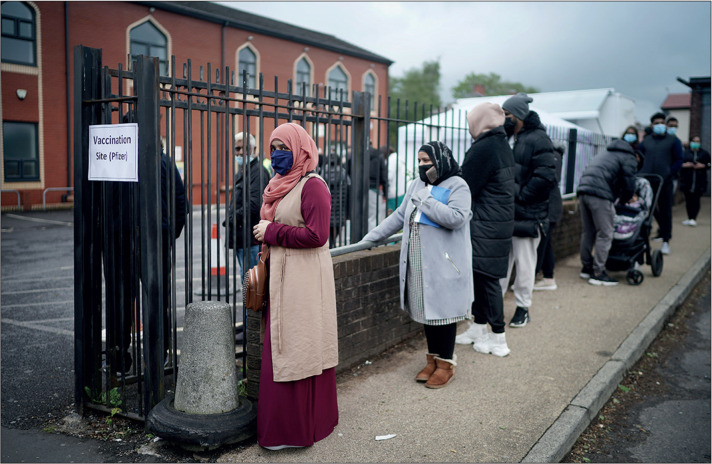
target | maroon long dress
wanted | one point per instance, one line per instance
(301, 412)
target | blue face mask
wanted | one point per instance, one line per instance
(282, 161)
(239, 161)
(630, 138)
(695, 145)
(672, 130)
(659, 129)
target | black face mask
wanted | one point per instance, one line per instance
(509, 126)
(422, 171)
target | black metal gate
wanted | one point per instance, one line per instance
(133, 276)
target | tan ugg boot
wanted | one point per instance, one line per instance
(428, 370)
(444, 373)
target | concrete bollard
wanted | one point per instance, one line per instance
(207, 376)
(206, 412)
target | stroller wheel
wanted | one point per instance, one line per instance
(657, 264)
(634, 277)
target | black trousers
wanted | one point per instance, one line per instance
(545, 261)
(663, 213)
(488, 307)
(692, 204)
(441, 339)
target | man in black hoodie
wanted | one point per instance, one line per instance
(608, 176)
(535, 176)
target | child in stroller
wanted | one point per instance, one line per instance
(630, 216)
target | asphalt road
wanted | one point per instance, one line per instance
(661, 411)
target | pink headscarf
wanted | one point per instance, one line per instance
(484, 117)
(306, 158)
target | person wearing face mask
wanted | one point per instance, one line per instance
(297, 391)
(436, 256)
(693, 179)
(631, 136)
(258, 177)
(535, 177)
(488, 169)
(663, 156)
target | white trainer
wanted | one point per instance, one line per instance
(693, 223)
(495, 343)
(686, 222)
(473, 334)
(665, 249)
(545, 284)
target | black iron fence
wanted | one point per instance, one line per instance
(135, 268)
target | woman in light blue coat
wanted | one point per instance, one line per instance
(436, 286)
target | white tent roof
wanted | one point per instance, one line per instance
(570, 104)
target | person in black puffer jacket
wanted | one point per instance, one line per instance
(488, 169)
(535, 177)
(608, 176)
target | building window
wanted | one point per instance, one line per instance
(247, 61)
(18, 34)
(369, 85)
(22, 159)
(147, 40)
(303, 77)
(338, 81)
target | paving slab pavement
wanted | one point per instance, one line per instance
(530, 406)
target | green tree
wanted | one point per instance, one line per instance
(491, 83)
(414, 94)
(418, 87)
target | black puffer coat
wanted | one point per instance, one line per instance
(535, 176)
(488, 169)
(611, 175)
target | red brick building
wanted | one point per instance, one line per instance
(38, 39)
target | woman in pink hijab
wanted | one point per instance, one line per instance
(297, 396)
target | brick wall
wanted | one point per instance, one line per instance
(368, 303)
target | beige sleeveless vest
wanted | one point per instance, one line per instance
(303, 331)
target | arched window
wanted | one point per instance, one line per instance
(338, 80)
(369, 85)
(303, 76)
(247, 61)
(18, 34)
(147, 40)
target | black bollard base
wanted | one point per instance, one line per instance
(201, 432)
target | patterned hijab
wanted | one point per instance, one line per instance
(306, 158)
(442, 159)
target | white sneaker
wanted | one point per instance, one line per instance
(494, 343)
(665, 249)
(692, 223)
(686, 222)
(545, 284)
(473, 334)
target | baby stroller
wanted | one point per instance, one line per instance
(631, 239)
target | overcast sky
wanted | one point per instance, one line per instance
(637, 48)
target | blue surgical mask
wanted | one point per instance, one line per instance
(282, 161)
(239, 160)
(695, 145)
(630, 138)
(672, 130)
(659, 129)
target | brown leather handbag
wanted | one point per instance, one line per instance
(254, 288)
